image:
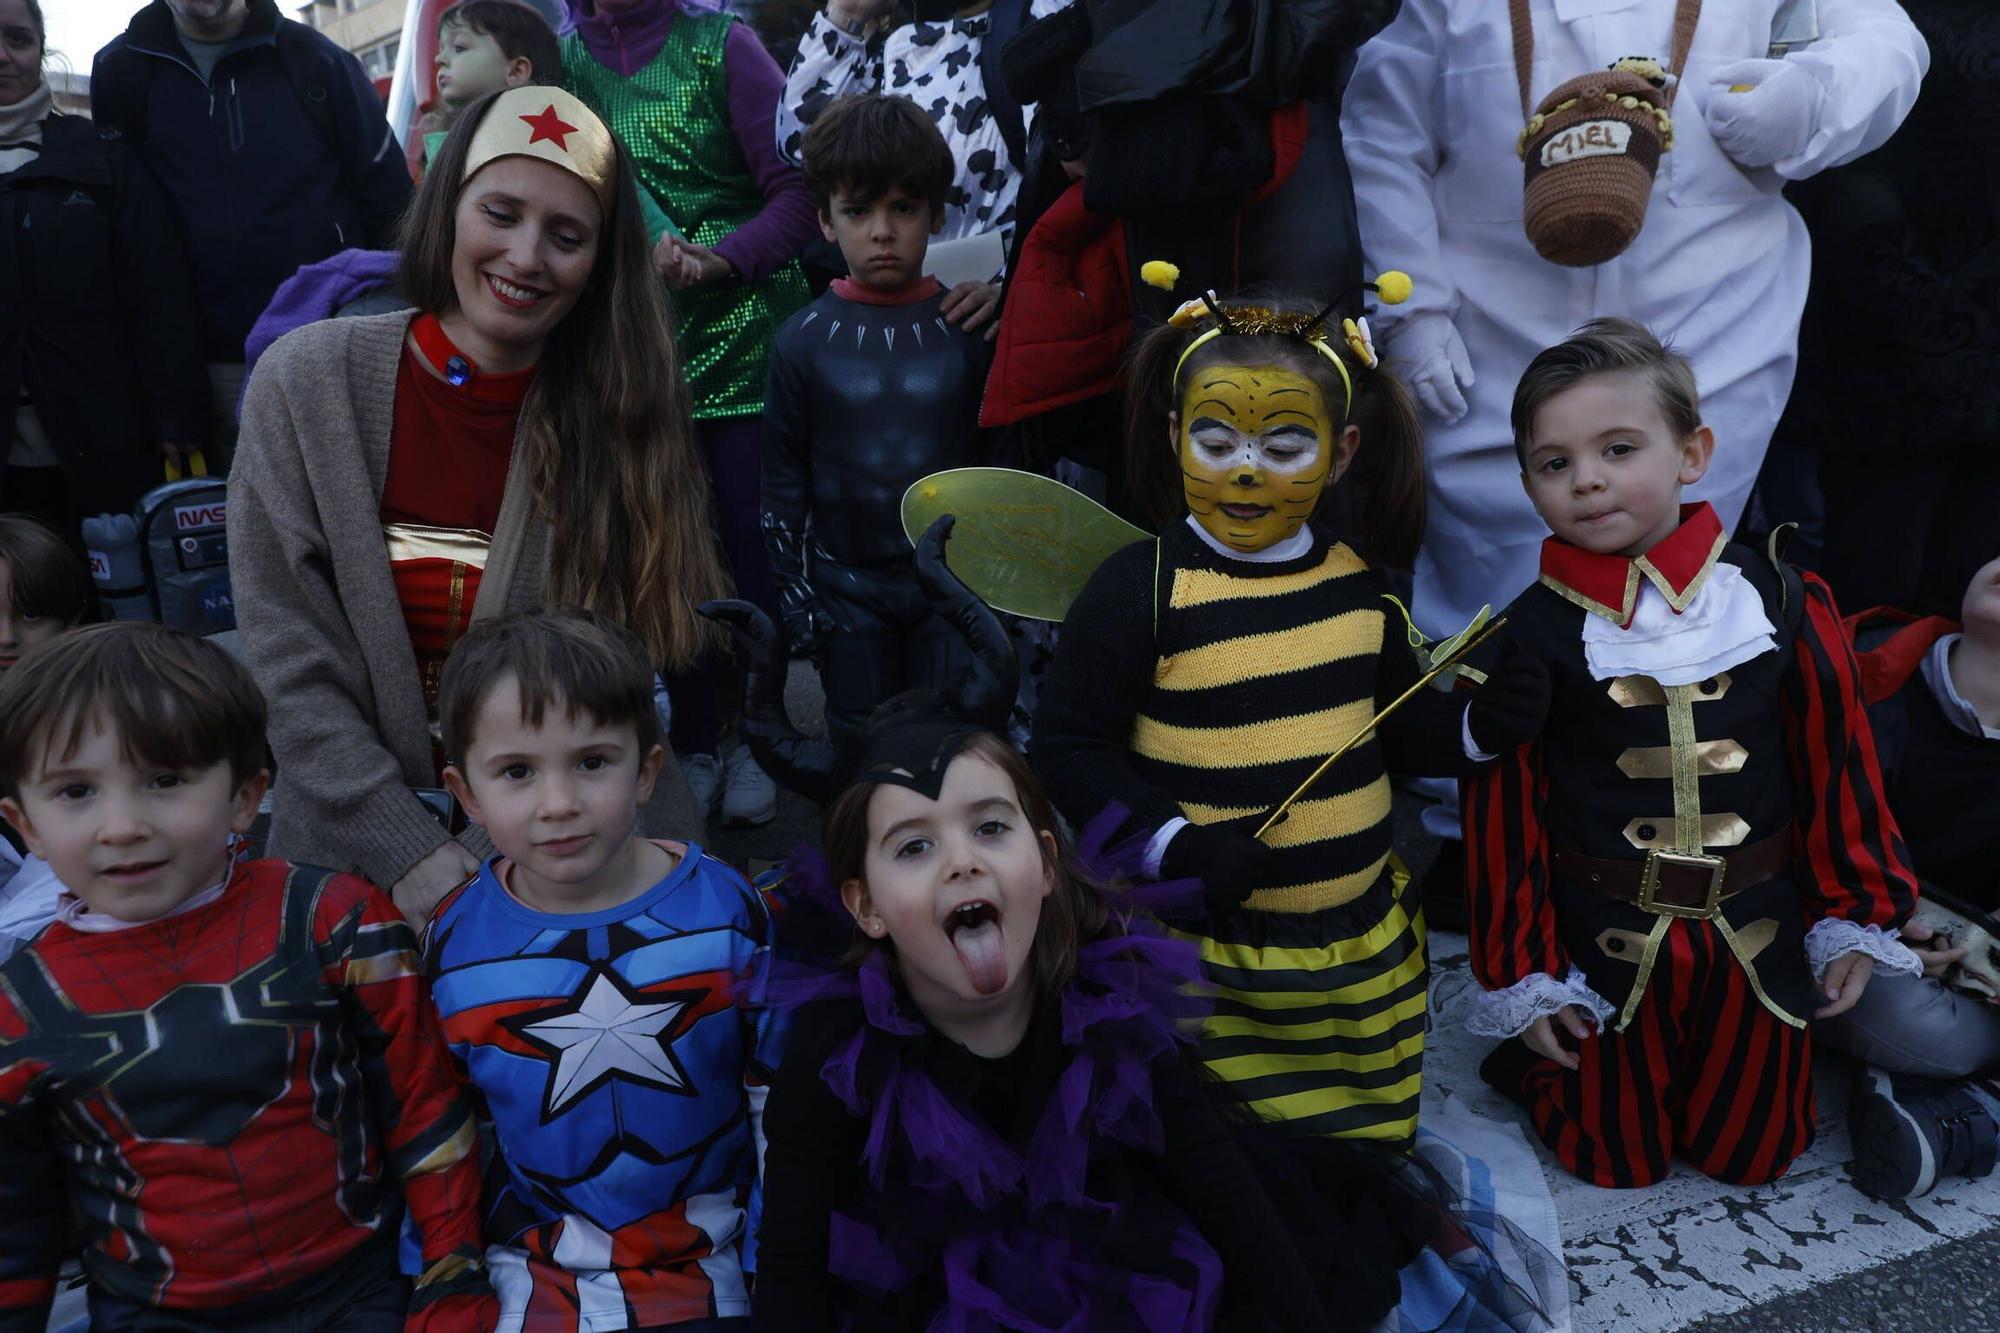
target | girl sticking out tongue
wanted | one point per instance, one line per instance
(997, 1112)
(956, 887)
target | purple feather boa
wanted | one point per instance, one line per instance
(1014, 1230)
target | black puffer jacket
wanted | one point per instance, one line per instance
(97, 314)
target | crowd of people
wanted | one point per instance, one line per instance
(363, 967)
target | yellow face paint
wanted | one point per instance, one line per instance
(1254, 449)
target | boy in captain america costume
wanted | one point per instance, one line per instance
(213, 1061)
(587, 981)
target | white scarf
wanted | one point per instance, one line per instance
(21, 128)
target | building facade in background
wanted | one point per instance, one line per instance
(371, 29)
(72, 91)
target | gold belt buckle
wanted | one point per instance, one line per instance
(1649, 881)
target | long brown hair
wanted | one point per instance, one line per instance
(1077, 908)
(1385, 480)
(607, 430)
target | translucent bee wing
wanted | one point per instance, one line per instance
(1025, 543)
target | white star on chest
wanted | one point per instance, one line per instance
(608, 1034)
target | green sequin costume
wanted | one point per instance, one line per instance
(673, 118)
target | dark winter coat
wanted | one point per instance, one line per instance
(280, 160)
(1901, 339)
(97, 314)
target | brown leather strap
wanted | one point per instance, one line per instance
(1680, 885)
(1687, 14)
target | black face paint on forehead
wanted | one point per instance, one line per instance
(910, 743)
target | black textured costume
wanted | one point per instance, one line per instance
(865, 397)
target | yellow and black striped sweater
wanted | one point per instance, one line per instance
(1190, 683)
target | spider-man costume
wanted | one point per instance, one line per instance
(625, 1082)
(223, 1095)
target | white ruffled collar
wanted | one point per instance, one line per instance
(1723, 626)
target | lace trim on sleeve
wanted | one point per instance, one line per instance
(1507, 1013)
(1830, 938)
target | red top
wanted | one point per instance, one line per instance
(862, 294)
(281, 1065)
(450, 444)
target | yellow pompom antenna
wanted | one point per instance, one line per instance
(1394, 287)
(1159, 273)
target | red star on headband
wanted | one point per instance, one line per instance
(548, 125)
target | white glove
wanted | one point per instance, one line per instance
(1774, 120)
(1430, 358)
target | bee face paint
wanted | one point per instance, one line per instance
(1255, 452)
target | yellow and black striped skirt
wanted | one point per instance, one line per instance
(1319, 1016)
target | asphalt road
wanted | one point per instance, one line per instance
(1951, 1288)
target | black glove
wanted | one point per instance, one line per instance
(1509, 709)
(808, 630)
(1225, 857)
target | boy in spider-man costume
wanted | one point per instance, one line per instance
(220, 1063)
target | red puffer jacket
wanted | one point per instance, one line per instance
(1068, 319)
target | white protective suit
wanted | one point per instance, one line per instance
(1719, 271)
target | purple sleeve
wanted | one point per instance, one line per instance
(788, 219)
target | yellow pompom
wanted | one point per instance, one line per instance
(1394, 287)
(1159, 273)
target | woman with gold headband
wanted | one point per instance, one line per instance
(521, 438)
(1204, 674)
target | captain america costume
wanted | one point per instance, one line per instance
(623, 1081)
(220, 1095)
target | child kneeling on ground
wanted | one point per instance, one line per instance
(216, 1061)
(1694, 855)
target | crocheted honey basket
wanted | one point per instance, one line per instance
(1591, 148)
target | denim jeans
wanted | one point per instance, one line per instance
(1912, 1025)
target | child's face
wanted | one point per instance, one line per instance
(1257, 448)
(560, 799)
(471, 64)
(132, 839)
(957, 884)
(21, 634)
(1981, 612)
(884, 242)
(1605, 470)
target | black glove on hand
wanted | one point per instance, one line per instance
(1509, 709)
(1225, 857)
(808, 631)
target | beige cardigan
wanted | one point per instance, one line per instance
(322, 626)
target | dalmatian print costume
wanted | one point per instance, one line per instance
(935, 65)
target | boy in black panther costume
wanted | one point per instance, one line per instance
(870, 389)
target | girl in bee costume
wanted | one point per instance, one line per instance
(1204, 674)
